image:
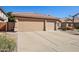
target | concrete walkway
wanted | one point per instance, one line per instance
(52, 41)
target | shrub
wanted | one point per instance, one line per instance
(7, 44)
(10, 17)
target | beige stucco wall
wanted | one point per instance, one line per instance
(58, 25)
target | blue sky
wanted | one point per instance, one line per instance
(57, 11)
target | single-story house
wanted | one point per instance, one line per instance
(35, 22)
(3, 20)
(68, 24)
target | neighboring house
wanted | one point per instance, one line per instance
(76, 23)
(35, 22)
(68, 24)
(3, 20)
(63, 23)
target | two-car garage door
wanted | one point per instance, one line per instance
(24, 26)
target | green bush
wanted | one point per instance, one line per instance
(7, 44)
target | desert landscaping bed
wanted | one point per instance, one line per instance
(7, 43)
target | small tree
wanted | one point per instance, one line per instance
(12, 21)
(10, 17)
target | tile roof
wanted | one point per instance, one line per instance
(33, 15)
(62, 19)
(65, 20)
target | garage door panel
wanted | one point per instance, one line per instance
(30, 26)
(50, 26)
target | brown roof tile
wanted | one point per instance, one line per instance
(75, 20)
(25, 14)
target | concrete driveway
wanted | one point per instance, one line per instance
(48, 41)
